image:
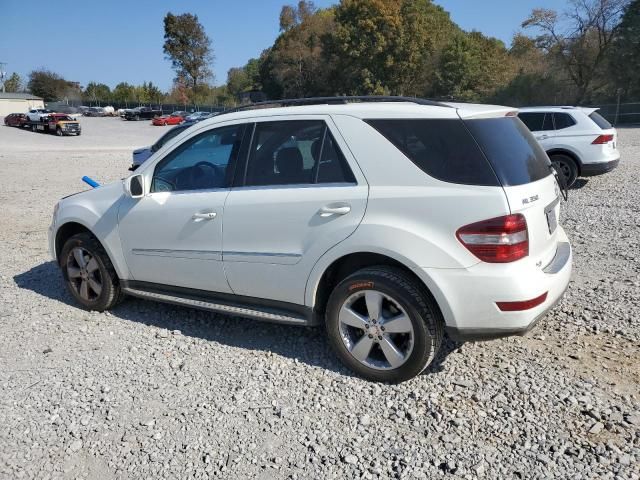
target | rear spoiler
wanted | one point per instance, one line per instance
(468, 111)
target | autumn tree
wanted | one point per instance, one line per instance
(49, 85)
(188, 47)
(625, 54)
(579, 40)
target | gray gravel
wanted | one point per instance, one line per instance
(158, 391)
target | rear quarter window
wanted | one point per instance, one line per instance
(600, 121)
(515, 155)
(442, 148)
(563, 120)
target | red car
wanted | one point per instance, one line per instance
(15, 120)
(174, 119)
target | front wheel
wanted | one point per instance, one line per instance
(383, 325)
(566, 167)
(59, 132)
(89, 273)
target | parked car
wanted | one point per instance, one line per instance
(198, 116)
(174, 118)
(140, 155)
(15, 120)
(579, 141)
(36, 114)
(142, 113)
(388, 222)
(95, 112)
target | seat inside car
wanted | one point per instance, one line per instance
(290, 166)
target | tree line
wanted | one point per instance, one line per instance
(585, 54)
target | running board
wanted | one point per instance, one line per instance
(268, 315)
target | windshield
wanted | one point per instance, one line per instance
(166, 137)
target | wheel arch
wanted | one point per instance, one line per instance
(568, 153)
(320, 285)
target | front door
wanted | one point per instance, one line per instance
(173, 235)
(298, 197)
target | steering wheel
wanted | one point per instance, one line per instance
(197, 180)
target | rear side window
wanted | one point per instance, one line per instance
(514, 153)
(442, 148)
(295, 152)
(600, 121)
(563, 120)
(537, 121)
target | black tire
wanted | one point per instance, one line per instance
(137, 117)
(565, 166)
(110, 293)
(426, 321)
(59, 132)
(34, 129)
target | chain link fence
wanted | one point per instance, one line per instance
(621, 113)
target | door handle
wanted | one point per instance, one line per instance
(334, 210)
(204, 216)
(542, 137)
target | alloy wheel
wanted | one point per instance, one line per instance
(376, 330)
(84, 275)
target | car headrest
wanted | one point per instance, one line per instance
(289, 161)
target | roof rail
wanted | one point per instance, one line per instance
(292, 102)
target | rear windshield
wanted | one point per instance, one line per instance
(492, 151)
(600, 121)
(442, 148)
(516, 156)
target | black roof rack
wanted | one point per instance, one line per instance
(292, 102)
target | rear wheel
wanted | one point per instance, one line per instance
(34, 129)
(89, 274)
(383, 325)
(566, 167)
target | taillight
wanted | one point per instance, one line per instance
(497, 240)
(522, 305)
(602, 139)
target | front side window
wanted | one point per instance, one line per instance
(295, 152)
(201, 163)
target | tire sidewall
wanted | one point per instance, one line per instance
(572, 165)
(423, 341)
(85, 242)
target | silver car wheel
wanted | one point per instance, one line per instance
(84, 274)
(376, 330)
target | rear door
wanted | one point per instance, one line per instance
(524, 170)
(298, 194)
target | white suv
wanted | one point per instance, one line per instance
(579, 141)
(388, 220)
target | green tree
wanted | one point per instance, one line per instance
(294, 66)
(123, 93)
(97, 93)
(13, 84)
(472, 67)
(242, 79)
(47, 84)
(188, 47)
(625, 55)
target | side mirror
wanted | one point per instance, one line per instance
(134, 186)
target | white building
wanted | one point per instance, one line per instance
(18, 103)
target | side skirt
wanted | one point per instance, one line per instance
(259, 309)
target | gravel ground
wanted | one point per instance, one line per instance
(158, 391)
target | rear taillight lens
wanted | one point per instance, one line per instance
(602, 139)
(497, 240)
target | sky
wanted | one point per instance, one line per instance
(116, 40)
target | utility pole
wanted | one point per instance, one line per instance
(3, 74)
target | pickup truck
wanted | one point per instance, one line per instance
(58, 123)
(142, 113)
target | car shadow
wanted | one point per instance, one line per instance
(579, 183)
(307, 345)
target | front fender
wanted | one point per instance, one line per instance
(97, 211)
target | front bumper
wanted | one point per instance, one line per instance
(591, 169)
(467, 297)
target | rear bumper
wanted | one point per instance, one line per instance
(590, 169)
(467, 297)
